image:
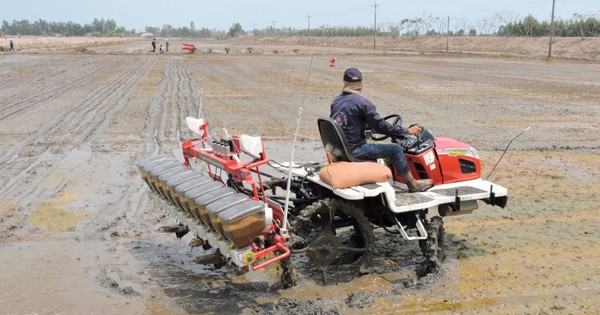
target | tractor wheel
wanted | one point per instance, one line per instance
(305, 196)
(324, 231)
(289, 277)
(433, 247)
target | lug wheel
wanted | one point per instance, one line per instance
(289, 277)
(433, 246)
(333, 232)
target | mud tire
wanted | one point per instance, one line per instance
(313, 221)
(433, 246)
(289, 277)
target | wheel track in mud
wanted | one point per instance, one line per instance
(74, 127)
(40, 69)
(9, 107)
(54, 125)
(154, 135)
(98, 102)
(176, 97)
(176, 94)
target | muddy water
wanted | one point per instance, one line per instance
(78, 227)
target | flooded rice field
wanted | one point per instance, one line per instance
(79, 228)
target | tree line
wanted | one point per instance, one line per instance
(168, 30)
(579, 26)
(501, 24)
(99, 27)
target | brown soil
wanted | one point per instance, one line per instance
(78, 227)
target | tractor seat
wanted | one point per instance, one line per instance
(334, 140)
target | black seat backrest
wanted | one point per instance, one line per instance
(334, 140)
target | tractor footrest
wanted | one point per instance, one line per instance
(460, 191)
(405, 199)
(459, 194)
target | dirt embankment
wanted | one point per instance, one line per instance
(78, 227)
(60, 44)
(587, 49)
(584, 49)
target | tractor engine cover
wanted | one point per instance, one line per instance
(458, 161)
(449, 161)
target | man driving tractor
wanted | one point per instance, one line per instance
(354, 113)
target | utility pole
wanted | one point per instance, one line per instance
(448, 35)
(375, 25)
(551, 31)
(308, 16)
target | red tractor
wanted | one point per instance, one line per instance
(249, 218)
(189, 47)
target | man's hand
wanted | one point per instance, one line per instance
(415, 130)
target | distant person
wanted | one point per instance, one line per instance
(12, 46)
(166, 45)
(161, 49)
(154, 45)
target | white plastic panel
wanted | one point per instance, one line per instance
(251, 145)
(194, 124)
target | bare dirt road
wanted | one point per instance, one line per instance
(78, 227)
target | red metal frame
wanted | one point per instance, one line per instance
(279, 245)
(241, 171)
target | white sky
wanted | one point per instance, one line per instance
(222, 14)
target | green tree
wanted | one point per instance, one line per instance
(235, 30)
(192, 29)
(529, 25)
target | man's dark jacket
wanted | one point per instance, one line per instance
(354, 112)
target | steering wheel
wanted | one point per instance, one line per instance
(397, 121)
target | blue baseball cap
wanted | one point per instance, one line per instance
(352, 75)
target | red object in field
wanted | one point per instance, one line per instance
(189, 46)
(332, 62)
